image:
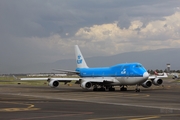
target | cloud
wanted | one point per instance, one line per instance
(43, 30)
(154, 35)
(109, 39)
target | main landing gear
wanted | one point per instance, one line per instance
(95, 88)
(123, 88)
(111, 88)
(98, 89)
(102, 88)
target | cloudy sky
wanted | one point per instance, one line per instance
(34, 31)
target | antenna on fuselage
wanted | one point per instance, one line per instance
(81, 63)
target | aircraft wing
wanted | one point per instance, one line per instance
(54, 79)
(33, 78)
(53, 82)
(98, 80)
(66, 71)
(158, 76)
(67, 79)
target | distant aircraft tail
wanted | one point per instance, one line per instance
(81, 63)
(156, 73)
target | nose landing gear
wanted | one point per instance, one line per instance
(137, 89)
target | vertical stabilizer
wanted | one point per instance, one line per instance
(81, 63)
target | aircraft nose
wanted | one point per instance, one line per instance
(146, 75)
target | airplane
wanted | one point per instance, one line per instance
(105, 78)
(175, 76)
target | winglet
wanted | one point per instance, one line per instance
(81, 63)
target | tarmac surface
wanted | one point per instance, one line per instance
(22, 102)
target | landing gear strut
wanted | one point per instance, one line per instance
(137, 89)
(111, 88)
(95, 88)
(123, 88)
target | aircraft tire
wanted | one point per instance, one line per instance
(102, 89)
(111, 89)
(137, 90)
(95, 89)
(123, 89)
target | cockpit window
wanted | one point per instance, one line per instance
(138, 66)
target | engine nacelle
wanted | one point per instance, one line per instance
(86, 85)
(157, 81)
(53, 83)
(147, 84)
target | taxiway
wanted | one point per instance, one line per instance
(22, 102)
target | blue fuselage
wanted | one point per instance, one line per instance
(119, 70)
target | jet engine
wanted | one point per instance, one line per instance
(86, 85)
(157, 81)
(53, 83)
(147, 84)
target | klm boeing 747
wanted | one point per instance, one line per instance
(105, 78)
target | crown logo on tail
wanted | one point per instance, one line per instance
(79, 60)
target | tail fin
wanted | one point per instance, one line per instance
(155, 73)
(81, 63)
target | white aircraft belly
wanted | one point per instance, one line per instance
(130, 80)
(116, 80)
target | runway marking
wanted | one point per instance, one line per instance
(99, 102)
(102, 94)
(29, 108)
(127, 117)
(143, 117)
(17, 109)
(53, 116)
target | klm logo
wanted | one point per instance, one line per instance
(79, 60)
(123, 71)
